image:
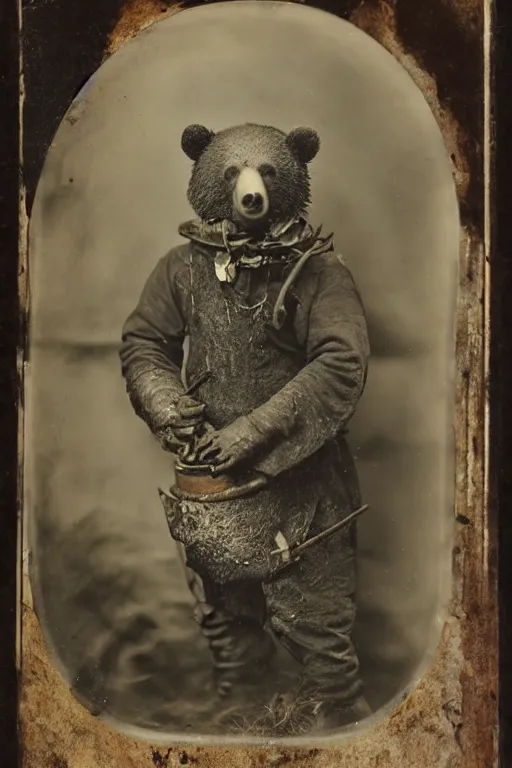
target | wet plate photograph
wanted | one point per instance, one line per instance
(257, 519)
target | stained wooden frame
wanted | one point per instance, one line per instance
(452, 717)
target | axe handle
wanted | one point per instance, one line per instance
(197, 383)
(295, 551)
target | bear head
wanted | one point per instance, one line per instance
(255, 176)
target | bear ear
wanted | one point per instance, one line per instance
(195, 139)
(304, 143)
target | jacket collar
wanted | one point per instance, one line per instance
(234, 249)
(225, 235)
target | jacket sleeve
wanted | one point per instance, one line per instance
(151, 349)
(319, 401)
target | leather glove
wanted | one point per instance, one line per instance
(228, 447)
(185, 422)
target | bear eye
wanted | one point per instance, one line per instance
(268, 170)
(231, 173)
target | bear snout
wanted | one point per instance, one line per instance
(250, 195)
(253, 202)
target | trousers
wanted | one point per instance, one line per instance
(309, 607)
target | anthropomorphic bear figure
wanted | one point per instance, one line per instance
(277, 362)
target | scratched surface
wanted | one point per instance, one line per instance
(450, 720)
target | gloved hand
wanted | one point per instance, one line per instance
(227, 447)
(186, 421)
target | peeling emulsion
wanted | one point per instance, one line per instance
(137, 15)
(449, 720)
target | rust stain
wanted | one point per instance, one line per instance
(378, 19)
(478, 588)
(137, 15)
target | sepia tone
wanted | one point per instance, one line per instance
(95, 469)
(429, 727)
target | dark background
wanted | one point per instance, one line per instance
(60, 56)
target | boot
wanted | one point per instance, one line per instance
(242, 651)
(331, 715)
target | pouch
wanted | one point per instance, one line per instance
(236, 539)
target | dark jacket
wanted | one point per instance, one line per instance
(300, 385)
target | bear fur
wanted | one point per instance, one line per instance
(281, 159)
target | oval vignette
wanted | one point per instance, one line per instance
(106, 576)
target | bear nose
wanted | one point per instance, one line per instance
(250, 195)
(253, 201)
